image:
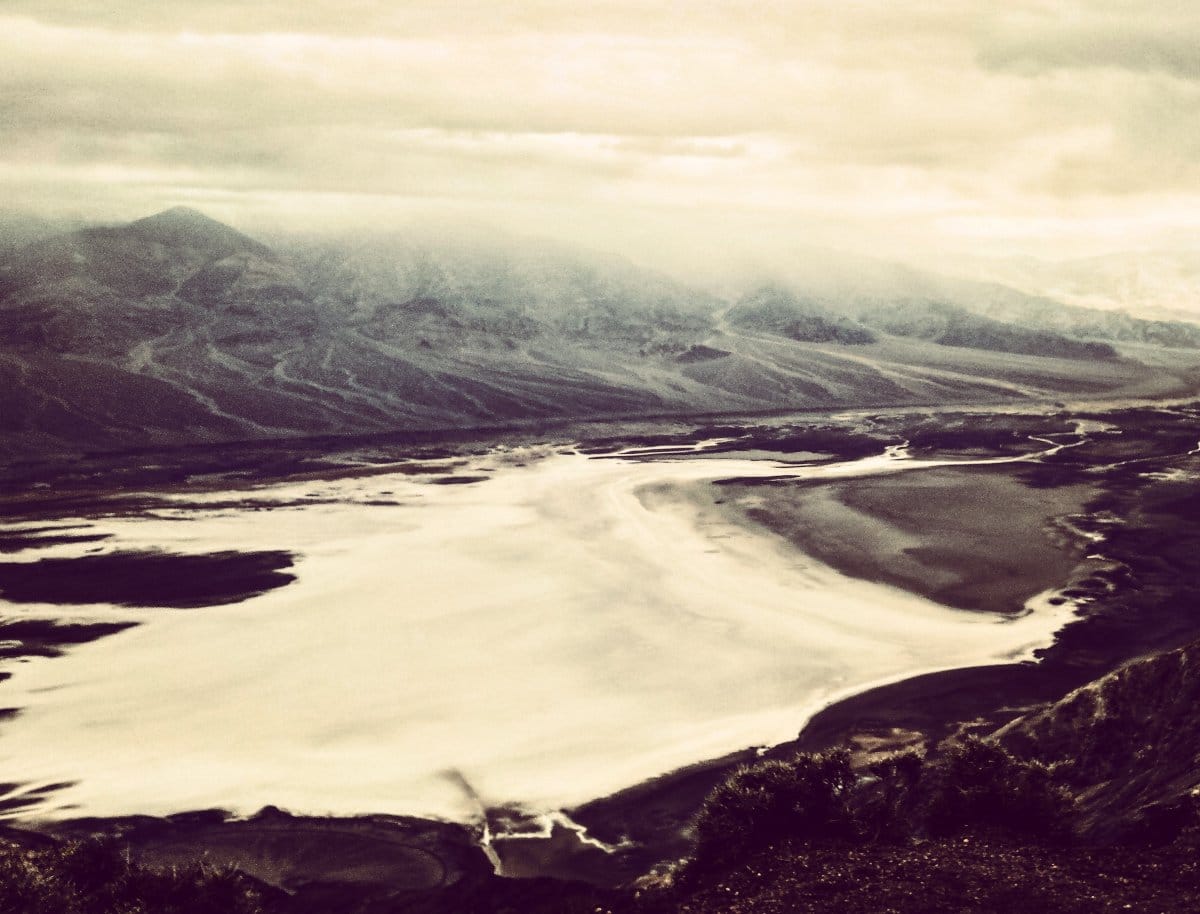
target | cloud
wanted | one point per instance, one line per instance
(896, 122)
(1140, 38)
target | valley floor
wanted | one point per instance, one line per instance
(1018, 530)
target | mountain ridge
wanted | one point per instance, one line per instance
(201, 333)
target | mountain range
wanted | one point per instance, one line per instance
(178, 329)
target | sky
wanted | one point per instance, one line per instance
(676, 130)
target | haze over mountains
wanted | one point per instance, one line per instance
(179, 329)
(1162, 284)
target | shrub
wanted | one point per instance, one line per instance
(804, 799)
(95, 877)
(978, 786)
(883, 806)
(973, 786)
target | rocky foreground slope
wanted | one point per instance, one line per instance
(1128, 744)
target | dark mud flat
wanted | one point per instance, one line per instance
(16, 799)
(18, 539)
(46, 638)
(368, 864)
(54, 483)
(976, 538)
(134, 579)
(292, 852)
(146, 578)
(388, 865)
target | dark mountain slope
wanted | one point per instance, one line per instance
(144, 258)
(100, 292)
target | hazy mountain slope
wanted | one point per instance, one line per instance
(850, 284)
(1090, 323)
(949, 325)
(782, 311)
(895, 370)
(777, 309)
(17, 230)
(177, 328)
(824, 289)
(1154, 285)
(498, 292)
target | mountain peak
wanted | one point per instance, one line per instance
(185, 211)
(182, 226)
(178, 216)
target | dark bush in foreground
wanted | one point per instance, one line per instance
(885, 803)
(805, 799)
(978, 786)
(972, 786)
(94, 877)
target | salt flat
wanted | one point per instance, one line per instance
(546, 635)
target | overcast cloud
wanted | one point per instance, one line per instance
(651, 127)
